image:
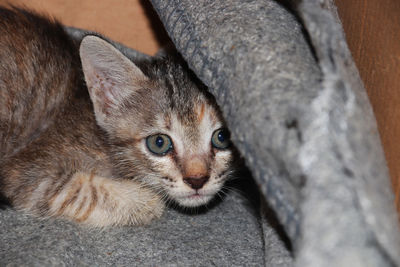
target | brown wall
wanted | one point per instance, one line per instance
(131, 22)
(373, 33)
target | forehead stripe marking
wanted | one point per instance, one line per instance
(201, 114)
(167, 120)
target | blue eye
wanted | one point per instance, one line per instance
(220, 139)
(159, 144)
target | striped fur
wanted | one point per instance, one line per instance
(74, 119)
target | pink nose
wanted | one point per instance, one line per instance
(196, 182)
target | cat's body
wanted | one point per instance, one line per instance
(112, 157)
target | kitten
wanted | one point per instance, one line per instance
(110, 152)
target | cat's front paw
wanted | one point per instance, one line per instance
(135, 204)
(152, 209)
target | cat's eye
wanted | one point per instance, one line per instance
(159, 144)
(220, 139)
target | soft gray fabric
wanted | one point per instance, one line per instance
(276, 252)
(227, 235)
(349, 185)
(304, 124)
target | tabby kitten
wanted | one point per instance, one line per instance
(110, 152)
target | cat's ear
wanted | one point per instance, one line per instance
(110, 76)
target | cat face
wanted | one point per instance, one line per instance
(189, 160)
(165, 129)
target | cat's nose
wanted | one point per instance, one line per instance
(196, 182)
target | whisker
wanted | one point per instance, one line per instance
(228, 189)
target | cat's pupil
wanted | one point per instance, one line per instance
(159, 141)
(221, 136)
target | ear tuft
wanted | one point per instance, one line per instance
(110, 76)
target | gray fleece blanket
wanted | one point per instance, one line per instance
(299, 115)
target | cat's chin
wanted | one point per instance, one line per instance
(194, 200)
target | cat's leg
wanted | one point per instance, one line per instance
(98, 201)
(84, 197)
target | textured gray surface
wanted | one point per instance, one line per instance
(304, 126)
(348, 198)
(276, 253)
(227, 235)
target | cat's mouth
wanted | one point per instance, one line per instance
(195, 195)
(194, 199)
